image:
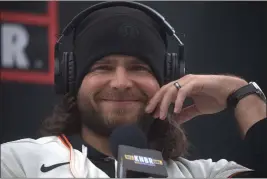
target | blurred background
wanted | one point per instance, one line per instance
(220, 38)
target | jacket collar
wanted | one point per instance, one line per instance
(76, 141)
(100, 160)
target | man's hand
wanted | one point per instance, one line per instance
(209, 93)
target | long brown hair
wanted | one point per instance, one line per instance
(162, 136)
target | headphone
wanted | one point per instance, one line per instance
(65, 66)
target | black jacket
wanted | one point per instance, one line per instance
(254, 152)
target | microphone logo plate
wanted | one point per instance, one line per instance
(143, 160)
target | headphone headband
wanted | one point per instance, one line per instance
(65, 68)
(149, 11)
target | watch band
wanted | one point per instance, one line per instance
(242, 92)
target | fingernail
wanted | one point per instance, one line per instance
(148, 109)
(162, 116)
(175, 110)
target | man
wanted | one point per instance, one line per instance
(119, 81)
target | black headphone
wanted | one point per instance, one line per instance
(65, 68)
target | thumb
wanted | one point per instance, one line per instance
(187, 114)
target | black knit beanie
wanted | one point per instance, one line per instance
(119, 30)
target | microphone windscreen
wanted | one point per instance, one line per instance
(128, 135)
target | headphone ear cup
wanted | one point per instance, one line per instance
(167, 68)
(181, 67)
(175, 66)
(59, 75)
(65, 73)
(71, 78)
(178, 67)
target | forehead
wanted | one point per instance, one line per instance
(120, 59)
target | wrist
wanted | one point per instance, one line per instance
(233, 83)
(249, 111)
(245, 90)
(249, 103)
(237, 84)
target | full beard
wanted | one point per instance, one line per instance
(103, 125)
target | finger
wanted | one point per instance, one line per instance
(155, 99)
(156, 113)
(167, 99)
(182, 94)
(158, 96)
(187, 114)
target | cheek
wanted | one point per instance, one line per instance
(91, 85)
(149, 85)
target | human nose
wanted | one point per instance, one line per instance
(121, 79)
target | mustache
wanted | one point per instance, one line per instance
(129, 95)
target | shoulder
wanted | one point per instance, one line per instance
(30, 146)
(23, 155)
(204, 168)
(41, 140)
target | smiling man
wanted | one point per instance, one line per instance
(115, 92)
(118, 100)
(120, 81)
